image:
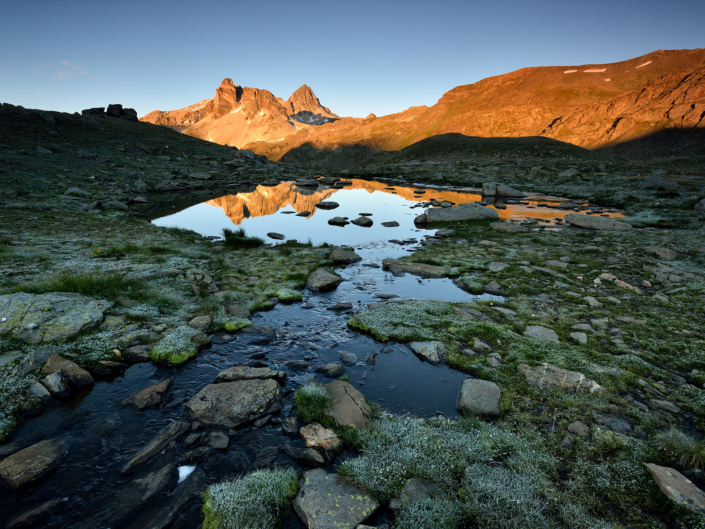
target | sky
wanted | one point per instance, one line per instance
(358, 57)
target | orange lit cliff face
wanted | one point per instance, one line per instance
(268, 200)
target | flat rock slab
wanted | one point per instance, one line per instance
(596, 223)
(342, 256)
(237, 373)
(74, 375)
(478, 397)
(322, 281)
(325, 501)
(157, 444)
(149, 397)
(547, 376)
(32, 463)
(348, 406)
(678, 488)
(419, 269)
(470, 211)
(232, 404)
(432, 352)
(616, 423)
(544, 333)
(35, 318)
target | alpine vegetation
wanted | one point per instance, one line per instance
(311, 401)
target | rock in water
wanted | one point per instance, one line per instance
(348, 406)
(342, 256)
(74, 375)
(332, 370)
(35, 318)
(596, 223)
(547, 376)
(276, 236)
(501, 190)
(321, 281)
(364, 222)
(237, 373)
(678, 488)
(32, 463)
(469, 211)
(149, 397)
(338, 221)
(327, 204)
(325, 501)
(480, 397)
(170, 432)
(232, 404)
(432, 352)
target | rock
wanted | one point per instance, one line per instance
(276, 236)
(505, 311)
(596, 223)
(137, 354)
(338, 221)
(332, 370)
(327, 204)
(321, 281)
(129, 114)
(35, 318)
(30, 464)
(342, 256)
(186, 491)
(478, 397)
(260, 334)
(348, 406)
(77, 192)
(74, 375)
(414, 490)
(290, 426)
(232, 404)
(494, 288)
(395, 224)
(664, 405)
(322, 440)
(579, 337)
(678, 488)
(345, 305)
(500, 190)
(237, 373)
(579, 429)
(659, 182)
(508, 227)
(364, 222)
(149, 397)
(202, 323)
(537, 331)
(266, 457)
(496, 267)
(325, 501)
(38, 391)
(32, 518)
(420, 269)
(348, 359)
(218, 441)
(432, 352)
(169, 433)
(593, 302)
(98, 111)
(567, 442)
(306, 455)
(467, 313)
(547, 376)
(33, 360)
(568, 173)
(700, 206)
(461, 212)
(240, 312)
(114, 111)
(663, 253)
(616, 423)
(56, 385)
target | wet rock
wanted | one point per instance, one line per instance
(390, 224)
(218, 441)
(276, 236)
(501, 190)
(371, 359)
(432, 352)
(35, 318)
(322, 440)
(547, 376)
(537, 331)
(56, 385)
(149, 397)
(345, 305)
(342, 256)
(460, 212)
(240, 312)
(190, 489)
(616, 423)
(33, 360)
(296, 365)
(327, 204)
(74, 375)
(364, 222)
(322, 281)
(420, 269)
(259, 335)
(579, 429)
(290, 426)
(202, 323)
(596, 223)
(236, 373)
(137, 354)
(30, 464)
(232, 404)
(508, 227)
(169, 433)
(338, 221)
(348, 406)
(478, 397)
(33, 517)
(325, 501)
(348, 359)
(266, 457)
(678, 488)
(332, 370)
(305, 455)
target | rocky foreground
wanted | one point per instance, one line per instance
(583, 402)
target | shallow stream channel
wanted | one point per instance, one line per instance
(297, 338)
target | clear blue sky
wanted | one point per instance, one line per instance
(359, 57)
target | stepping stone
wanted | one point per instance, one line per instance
(327, 205)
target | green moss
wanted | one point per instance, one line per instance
(236, 324)
(287, 294)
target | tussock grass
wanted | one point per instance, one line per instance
(238, 239)
(680, 448)
(107, 285)
(311, 401)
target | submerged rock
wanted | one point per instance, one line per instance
(478, 397)
(596, 223)
(32, 463)
(32, 517)
(470, 211)
(348, 406)
(35, 318)
(149, 397)
(321, 281)
(325, 501)
(547, 376)
(420, 269)
(332, 370)
(169, 433)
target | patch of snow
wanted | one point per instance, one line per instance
(570, 71)
(595, 70)
(647, 62)
(608, 80)
(185, 472)
(238, 109)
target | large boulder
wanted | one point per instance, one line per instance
(36, 318)
(501, 190)
(469, 211)
(420, 269)
(348, 406)
(547, 376)
(149, 397)
(325, 501)
(321, 281)
(478, 397)
(32, 463)
(596, 223)
(74, 375)
(167, 434)
(343, 256)
(232, 404)
(678, 488)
